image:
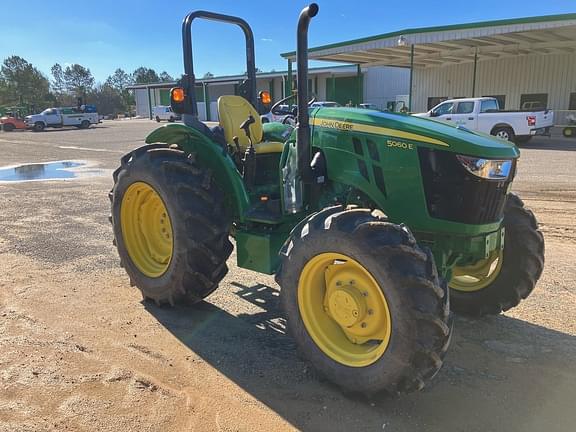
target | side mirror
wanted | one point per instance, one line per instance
(433, 114)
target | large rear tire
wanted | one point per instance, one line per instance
(8, 127)
(509, 276)
(170, 225)
(364, 302)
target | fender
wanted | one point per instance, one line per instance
(211, 156)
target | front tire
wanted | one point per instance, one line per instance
(500, 285)
(364, 302)
(39, 127)
(170, 226)
(504, 133)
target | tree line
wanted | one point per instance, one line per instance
(22, 84)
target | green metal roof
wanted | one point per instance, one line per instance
(475, 25)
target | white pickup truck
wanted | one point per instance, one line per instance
(484, 115)
(60, 117)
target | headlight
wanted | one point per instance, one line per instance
(486, 168)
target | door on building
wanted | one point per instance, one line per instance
(344, 90)
(164, 97)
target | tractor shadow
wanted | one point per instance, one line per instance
(501, 373)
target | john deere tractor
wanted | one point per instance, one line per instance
(375, 224)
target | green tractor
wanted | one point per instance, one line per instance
(375, 224)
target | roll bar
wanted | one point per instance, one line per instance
(189, 80)
(303, 127)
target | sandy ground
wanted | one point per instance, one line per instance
(80, 351)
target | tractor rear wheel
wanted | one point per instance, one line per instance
(170, 226)
(501, 281)
(364, 302)
(8, 127)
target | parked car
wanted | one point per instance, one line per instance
(11, 121)
(280, 114)
(60, 117)
(324, 104)
(164, 112)
(369, 106)
(484, 115)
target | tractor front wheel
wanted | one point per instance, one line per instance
(170, 225)
(501, 281)
(364, 302)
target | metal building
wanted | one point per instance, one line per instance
(342, 84)
(525, 62)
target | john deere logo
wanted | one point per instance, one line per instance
(336, 125)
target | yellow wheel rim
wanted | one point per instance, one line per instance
(146, 229)
(344, 310)
(477, 276)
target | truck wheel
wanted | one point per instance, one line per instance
(501, 281)
(38, 127)
(363, 302)
(504, 133)
(170, 225)
(171, 119)
(8, 127)
(85, 124)
(157, 119)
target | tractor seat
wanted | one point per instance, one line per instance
(233, 111)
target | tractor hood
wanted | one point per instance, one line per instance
(421, 131)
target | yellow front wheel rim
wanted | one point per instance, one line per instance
(344, 310)
(146, 229)
(477, 276)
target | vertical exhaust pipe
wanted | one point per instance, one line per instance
(303, 127)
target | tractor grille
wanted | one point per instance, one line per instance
(454, 194)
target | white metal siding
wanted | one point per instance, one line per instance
(383, 84)
(513, 76)
(142, 107)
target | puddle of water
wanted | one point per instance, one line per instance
(58, 170)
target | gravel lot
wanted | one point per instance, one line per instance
(80, 351)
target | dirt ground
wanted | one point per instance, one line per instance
(80, 351)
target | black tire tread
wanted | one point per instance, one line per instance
(411, 265)
(203, 241)
(517, 280)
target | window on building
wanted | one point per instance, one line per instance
(501, 100)
(572, 103)
(489, 105)
(465, 108)
(433, 101)
(533, 101)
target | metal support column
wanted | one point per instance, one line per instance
(474, 75)
(149, 103)
(411, 77)
(289, 80)
(359, 89)
(206, 101)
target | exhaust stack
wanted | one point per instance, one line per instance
(303, 127)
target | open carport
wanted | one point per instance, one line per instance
(524, 62)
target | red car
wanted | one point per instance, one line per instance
(11, 121)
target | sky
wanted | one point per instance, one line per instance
(104, 35)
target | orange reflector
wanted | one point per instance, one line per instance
(265, 97)
(177, 94)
